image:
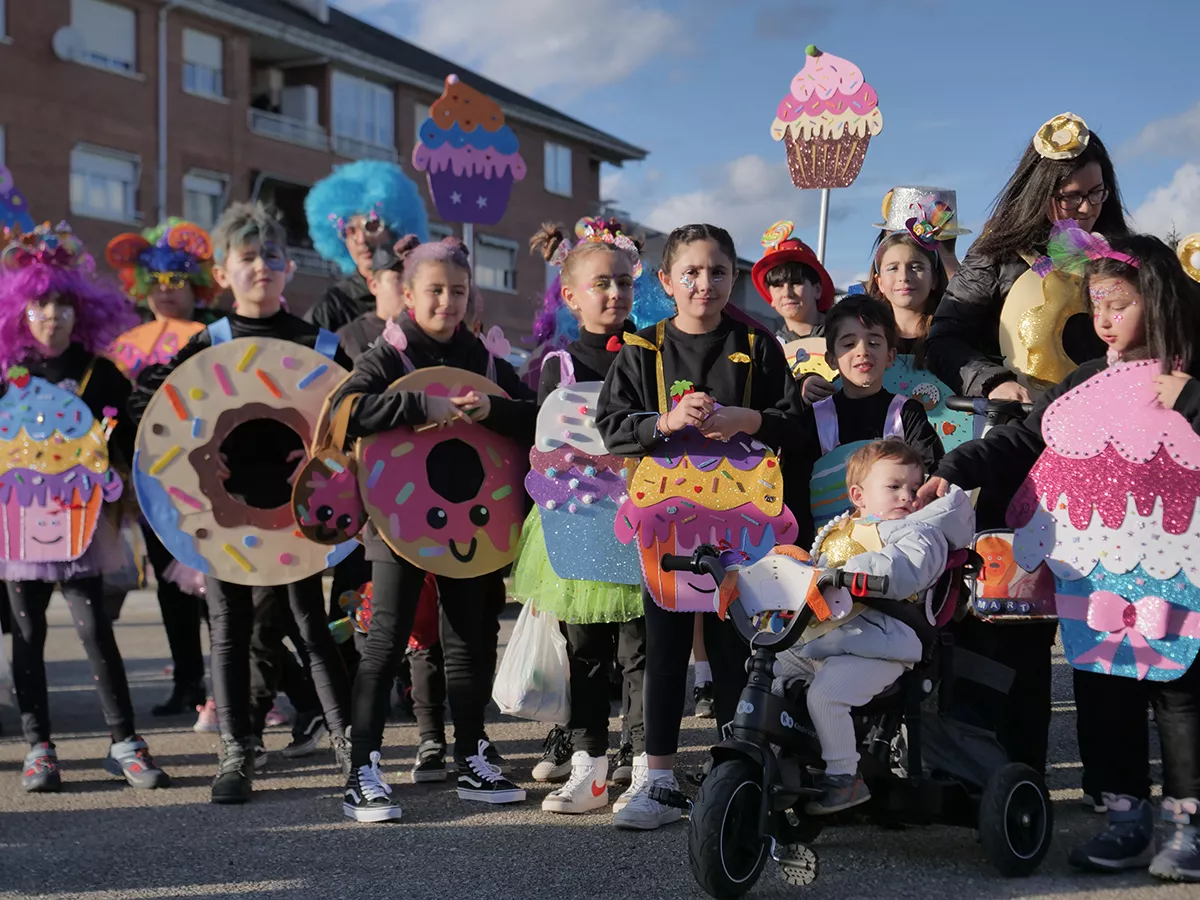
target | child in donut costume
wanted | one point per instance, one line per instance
(63, 439)
(570, 564)
(459, 514)
(1109, 507)
(250, 254)
(861, 336)
(713, 359)
(167, 272)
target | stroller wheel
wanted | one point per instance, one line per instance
(1015, 820)
(727, 851)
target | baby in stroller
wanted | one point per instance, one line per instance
(848, 660)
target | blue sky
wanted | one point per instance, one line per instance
(962, 86)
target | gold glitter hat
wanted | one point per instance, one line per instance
(1063, 137)
(903, 202)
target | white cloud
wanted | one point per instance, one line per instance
(1176, 206)
(1172, 136)
(530, 45)
(745, 197)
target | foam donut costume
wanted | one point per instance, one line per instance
(54, 470)
(694, 491)
(447, 500)
(1111, 508)
(178, 446)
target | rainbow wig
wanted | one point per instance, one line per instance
(364, 188)
(102, 311)
(174, 253)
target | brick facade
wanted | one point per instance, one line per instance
(49, 106)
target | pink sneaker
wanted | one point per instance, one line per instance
(206, 722)
(276, 717)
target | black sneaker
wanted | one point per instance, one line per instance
(479, 780)
(235, 772)
(184, 699)
(555, 764)
(307, 734)
(261, 756)
(703, 695)
(368, 798)
(1127, 842)
(431, 762)
(622, 765)
(493, 755)
(341, 750)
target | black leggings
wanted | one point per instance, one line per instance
(181, 614)
(85, 599)
(231, 614)
(668, 647)
(470, 627)
(590, 650)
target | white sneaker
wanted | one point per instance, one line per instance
(641, 774)
(585, 790)
(642, 813)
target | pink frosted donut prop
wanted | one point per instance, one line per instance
(448, 500)
(177, 452)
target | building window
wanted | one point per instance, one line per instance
(203, 64)
(363, 110)
(495, 264)
(109, 33)
(558, 169)
(104, 184)
(420, 117)
(203, 198)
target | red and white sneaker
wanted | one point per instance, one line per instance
(585, 790)
(206, 721)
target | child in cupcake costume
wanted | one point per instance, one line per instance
(710, 384)
(570, 564)
(60, 419)
(1110, 508)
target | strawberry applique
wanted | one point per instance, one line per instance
(19, 376)
(681, 389)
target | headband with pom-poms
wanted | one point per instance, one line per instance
(173, 255)
(51, 245)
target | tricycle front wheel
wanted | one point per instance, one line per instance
(726, 849)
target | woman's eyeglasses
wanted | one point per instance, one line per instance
(1072, 202)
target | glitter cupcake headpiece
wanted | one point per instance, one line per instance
(591, 229)
(51, 245)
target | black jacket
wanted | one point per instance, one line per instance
(591, 356)
(342, 303)
(379, 410)
(256, 453)
(964, 339)
(361, 334)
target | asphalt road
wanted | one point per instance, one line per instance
(100, 840)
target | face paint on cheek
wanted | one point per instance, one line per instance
(687, 282)
(275, 258)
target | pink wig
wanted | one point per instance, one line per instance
(102, 311)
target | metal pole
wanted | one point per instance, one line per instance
(824, 226)
(469, 240)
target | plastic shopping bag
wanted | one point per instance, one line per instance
(534, 678)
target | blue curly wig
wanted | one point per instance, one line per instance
(356, 189)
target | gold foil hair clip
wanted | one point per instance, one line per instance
(1063, 137)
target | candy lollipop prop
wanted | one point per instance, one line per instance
(1111, 508)
(826, 122)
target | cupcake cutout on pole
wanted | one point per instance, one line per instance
(14, 210)
(468, 155)
(54, 470)
(826, 121)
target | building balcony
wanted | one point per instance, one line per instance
(284, 128)
(353, 148)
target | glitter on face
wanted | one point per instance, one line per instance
(688, 281)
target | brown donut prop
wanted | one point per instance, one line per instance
(449, 500)
(177, 453)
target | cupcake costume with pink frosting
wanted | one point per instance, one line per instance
(1111, 509)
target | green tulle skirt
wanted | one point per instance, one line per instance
(578, 602)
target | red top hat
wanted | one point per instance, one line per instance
(780, 247)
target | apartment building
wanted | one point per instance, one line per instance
(116, 113)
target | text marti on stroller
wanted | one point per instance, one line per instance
(921, 767)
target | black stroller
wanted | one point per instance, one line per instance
(921, 766)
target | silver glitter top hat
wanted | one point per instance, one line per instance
(907, 202)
